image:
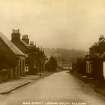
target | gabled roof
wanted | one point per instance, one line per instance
(13, 48)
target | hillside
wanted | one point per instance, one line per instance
(65, 55)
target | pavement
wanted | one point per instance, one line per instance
(97, 86)
(9, 86)
(12, 85)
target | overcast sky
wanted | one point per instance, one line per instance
(55, 23)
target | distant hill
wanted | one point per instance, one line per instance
(65, 55)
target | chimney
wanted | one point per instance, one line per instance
(32, 43)
(25, 39)
(15, 36)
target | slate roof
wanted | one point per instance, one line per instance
(13, 48)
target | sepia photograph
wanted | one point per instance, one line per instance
(52, 52)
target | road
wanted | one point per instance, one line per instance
(59, 87)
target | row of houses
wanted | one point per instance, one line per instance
(19, 56)
(93, 64)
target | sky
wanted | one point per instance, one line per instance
(71, 24)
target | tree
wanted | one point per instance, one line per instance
(98, 48)
(36, 59)
(51, 65)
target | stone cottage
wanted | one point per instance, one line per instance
(12, 60)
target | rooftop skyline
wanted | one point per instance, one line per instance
(55, 23)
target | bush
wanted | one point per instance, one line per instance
(51, 65)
